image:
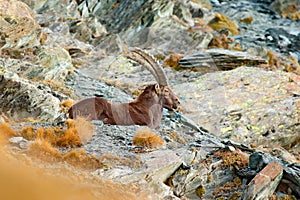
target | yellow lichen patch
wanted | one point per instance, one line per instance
(200, 191)
(148, 139)
(59, 86)
(222, 22)
(295, 16)
(203, 4)
(173, 61)
(233, 158)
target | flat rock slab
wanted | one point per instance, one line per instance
(219, 59)
(264, 183)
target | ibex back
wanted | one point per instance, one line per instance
(146, 109)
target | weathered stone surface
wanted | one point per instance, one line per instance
(18, 26)
(243, 102)
(219, 59)
(264, 183)
(249, 105)
(56, 62)
(162, 25)
(21, 99)
(264, 17)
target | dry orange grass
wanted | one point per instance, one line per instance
(66, 105)
(24, 178)
(78, 132)
(148, 139)
(31, 176)
(85, 129)
(5, 132)
(43, 149)
(81, 159)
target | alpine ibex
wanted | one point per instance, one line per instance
(146, 109)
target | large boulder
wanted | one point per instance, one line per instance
(18, 26)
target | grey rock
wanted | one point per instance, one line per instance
(219, 59)
(21, 142)
(21, 99)
(18, 26)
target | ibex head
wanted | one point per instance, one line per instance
(168, 98)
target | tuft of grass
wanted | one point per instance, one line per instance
(76, 133)
(69, 139)
(41, 179)
(43, 150)
(6, 132)
(233, 158)
(81, 159)
(85, 129)
(28, 132)
(148, 139)
(231, 188)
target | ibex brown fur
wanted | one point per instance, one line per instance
(146, 109)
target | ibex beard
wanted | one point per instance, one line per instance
(145, 110)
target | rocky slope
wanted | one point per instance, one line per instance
(234, 67)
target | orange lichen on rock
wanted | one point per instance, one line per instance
(233, 158)
(173, 61)
(66, 105)
(224, 42)
(292, 11)
(284, 63)
(246, 20)
(231, 188)
(148, 139)
(222, 22)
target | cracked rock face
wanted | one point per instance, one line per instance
(21, 98)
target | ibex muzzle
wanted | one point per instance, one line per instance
(146, 109)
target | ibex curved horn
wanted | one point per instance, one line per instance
(150, 63)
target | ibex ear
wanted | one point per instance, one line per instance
(157, 88)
